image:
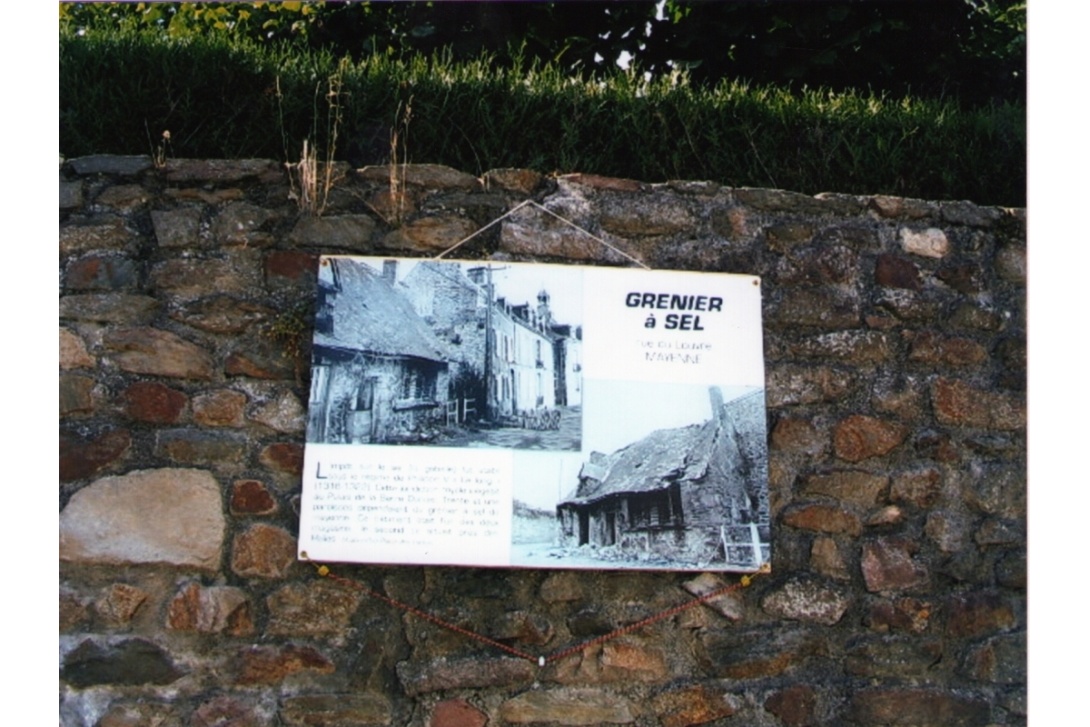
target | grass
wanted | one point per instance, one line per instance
(238, 100)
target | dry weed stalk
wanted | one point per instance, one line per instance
(397, 175)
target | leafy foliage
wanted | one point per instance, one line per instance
(221, 97)
(972, 49)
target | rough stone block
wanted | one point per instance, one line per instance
(930, 348)
(903, 614)
(82, 457)
(977, 614)
(826, 307)
(130, 662)
(220, 408)
(522, 181)
(242, 223)
(106, 232)
(284, 414)
(756, 654)
(457, 713)
(272, 664)
(252, 497)
(469, 673)
(568, 706)
(101, 272)
(794, 706)
(76, 395)
(921, 488)
(222, 171)
(917, 707)
(822, 518)
(317, 608)
(347, 232)
(790, 384)
(862, 437)
(222, 314)
(158, 353)
(693, 705)
(155, 403)
(429, 176)
(888, 565)
(429, 234)
(177, 228)
(195, 447)
(110, 164)
(236, 273)
(333, 710)
(827, 559)
(892, 271)
(893, 657)
(210, 610)
(119, 308)
(931, 242)
(611, 663)
(852, 487)
(999, 660)
(73, 351)
(284, 457)
(263, 551)
(119, 603)
(71, 195)
(730, 605)
(808, 601)
(123, 520)
(960, 404)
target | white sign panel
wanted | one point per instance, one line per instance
(507, 414)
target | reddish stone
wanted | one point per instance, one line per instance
(903, 614)
(1000, 660)
(861, 437)
(469, 673)
(855, 487)
(613, 662)
(73, 612)
(318, 608)
(891, 271)
(210, 610)
(119, 603)
(825, 307)
(794, 705)
(82, 458)
(271, 664)
(100, 272)
(976, 614)
(263, 367)
(788, 385)
(201, 447)
(251, 497)
(225, 711)
(692, 706)
(264, 551)
(936, 446)
(457, 713)
(150, 401)
(921, 488)
(826, 559)
(963, 277)
(797, 435)
(919, 707)
(960, 404)
(221, 408)
(931, 348)
(290, 266)
(822, 519)
(615, 184)
(284, 457)
(888, 566)
(334, 710)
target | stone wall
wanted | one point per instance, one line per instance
(895, 350)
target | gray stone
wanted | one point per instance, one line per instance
(284, 414)
(120, 308)
(221, 450)
(71, 195)
(106, 232)
(240, 224)
(222, 171)
(443, 673)
(237, 272)
(110, 164)
(349, 232)
(807, 601)
(168, 516)
(129, 662)
(177, 228)
(430, 234)
(730, 605)
(431, 176)
(317, 608)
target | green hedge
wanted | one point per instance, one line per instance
(120, 90)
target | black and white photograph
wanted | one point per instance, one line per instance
(675, 476)
(450, 354)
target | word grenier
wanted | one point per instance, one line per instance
(668, 301)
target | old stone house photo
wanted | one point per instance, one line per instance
(696, 494)
(378, 374)
(424, 351)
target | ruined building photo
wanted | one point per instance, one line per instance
(695, 494)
